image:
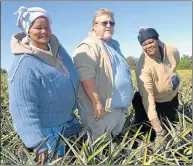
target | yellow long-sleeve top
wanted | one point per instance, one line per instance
(154, 79)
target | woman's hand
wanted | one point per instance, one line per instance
(160, 141)
(42, 157)
(156, 124)
(160, 133)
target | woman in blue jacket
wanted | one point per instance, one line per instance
(43, 84)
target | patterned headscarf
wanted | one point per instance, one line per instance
(27, 16)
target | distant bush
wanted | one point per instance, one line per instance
(3, 71)
(132, 62)
(185, 63)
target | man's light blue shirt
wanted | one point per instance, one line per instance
(123, 87)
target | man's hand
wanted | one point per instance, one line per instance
(99, 111)
(42, 157)
(89, 87)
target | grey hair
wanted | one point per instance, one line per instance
(100, 12)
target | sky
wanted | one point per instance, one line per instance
(72, 20)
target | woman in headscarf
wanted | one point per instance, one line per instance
(157, 81)
(43, 85)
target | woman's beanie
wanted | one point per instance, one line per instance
(147, 33)
(28, 15)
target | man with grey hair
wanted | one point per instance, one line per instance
(106, 86)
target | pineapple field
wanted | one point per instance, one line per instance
(131, 148)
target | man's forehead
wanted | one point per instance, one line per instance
(104, 17)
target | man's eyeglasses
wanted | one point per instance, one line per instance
(105, 23)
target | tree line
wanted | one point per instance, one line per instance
(185, 63)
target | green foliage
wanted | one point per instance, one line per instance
(4, 92)
(177, 149)
(185, 63)
(132, 62)
(3, 71)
